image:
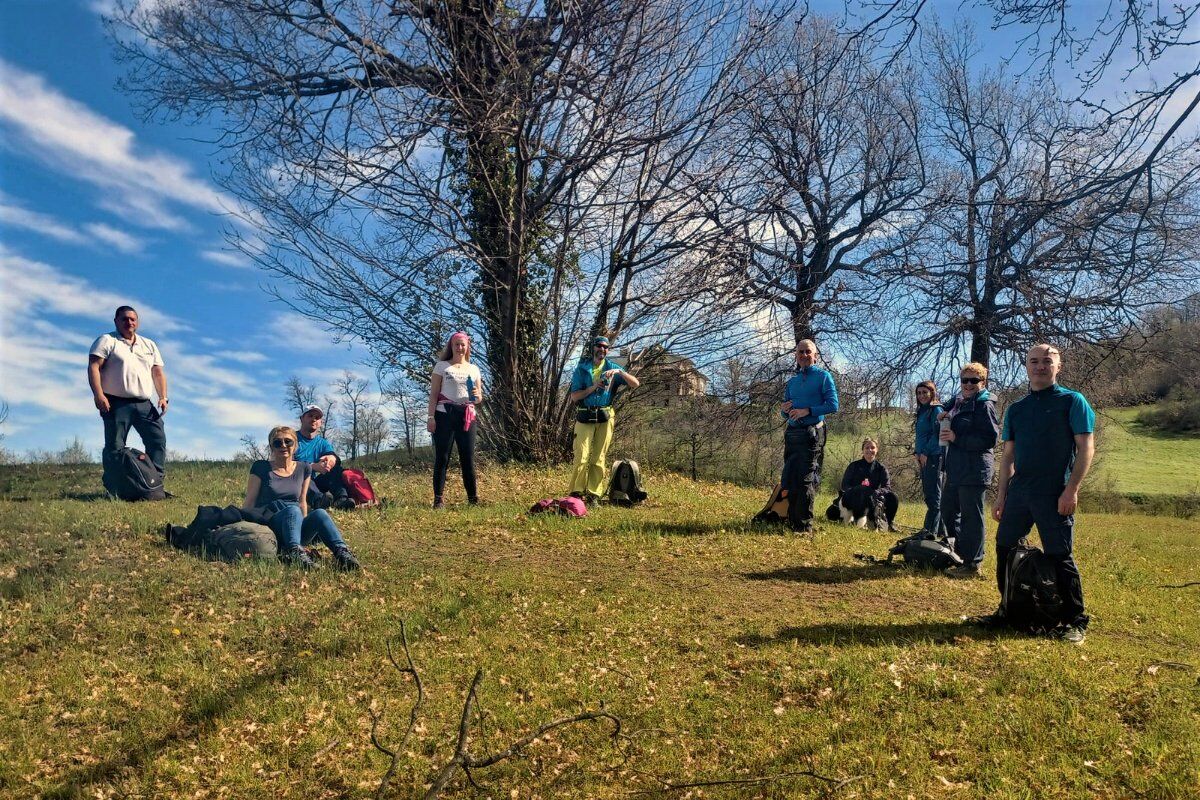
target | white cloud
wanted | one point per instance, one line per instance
(17, 217)
(245, 357)
(33, 288)
(118, 239)
(71, 138)
(227, 258)
(298, 332)
(243, 416)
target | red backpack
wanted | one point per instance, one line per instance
(359, 488)
(568, 506)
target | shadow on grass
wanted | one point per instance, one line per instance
(902, 633)
(828, 573)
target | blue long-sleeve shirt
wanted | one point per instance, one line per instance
(811, 388)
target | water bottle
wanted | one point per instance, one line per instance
(470, 389)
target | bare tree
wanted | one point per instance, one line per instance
(409, 402)
(373, 430)
(252, 449)
(1037, 239)
(828, 190)
(353, 391)
(298, 396)
(417, 168)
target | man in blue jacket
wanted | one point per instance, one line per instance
(593, 385)
(327, 489)
(1048, 451)
(807, 398)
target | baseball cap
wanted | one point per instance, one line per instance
(315, 408)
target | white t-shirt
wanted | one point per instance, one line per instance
(126, 370)
(454, 381)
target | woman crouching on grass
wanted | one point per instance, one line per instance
(280, 486)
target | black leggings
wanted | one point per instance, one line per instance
(448, 430)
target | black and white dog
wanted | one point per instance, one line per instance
(857, 506)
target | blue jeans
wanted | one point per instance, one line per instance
(292, 529)
(931, 488)
(962, 514)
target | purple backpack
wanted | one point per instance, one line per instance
(569, 506)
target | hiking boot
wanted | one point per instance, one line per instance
(344, 560)
(576, 494)
(992, 621)
(344, 503)
(1075, 634)
(298, 557)
(324, 500)
(473, 501)
(802, 527)
(967, 571)
(437, 503)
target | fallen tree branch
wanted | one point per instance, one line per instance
(462, 759)
(394, 755)
(1179, 585)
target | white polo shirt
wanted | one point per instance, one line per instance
(126, 370)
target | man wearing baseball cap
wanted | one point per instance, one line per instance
(327, 487)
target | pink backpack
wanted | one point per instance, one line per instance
(569, 506)
(359, 488)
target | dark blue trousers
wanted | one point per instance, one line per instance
(962, 514)
(931, 488)
(803, 456)
(1023, 510)
(141, 415)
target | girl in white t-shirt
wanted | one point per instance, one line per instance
(454, 390)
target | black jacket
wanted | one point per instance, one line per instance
(875, 473)
(970, 458)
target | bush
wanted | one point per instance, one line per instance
(1177, 414)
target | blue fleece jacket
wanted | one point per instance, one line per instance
(926, 428)
(811, 388)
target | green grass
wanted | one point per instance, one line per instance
(729, 652)
(1136, 460)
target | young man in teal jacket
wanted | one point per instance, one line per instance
(807, 398)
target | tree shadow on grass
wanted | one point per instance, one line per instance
(825, 573)
(870, 633)
(200, 716)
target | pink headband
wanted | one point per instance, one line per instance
(461, 335)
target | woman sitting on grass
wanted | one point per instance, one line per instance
(867, 471)
(280, 486)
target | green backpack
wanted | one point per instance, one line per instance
(242, 540)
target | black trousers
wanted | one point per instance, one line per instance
(331, 482)
(448, 431)
(141, 415)
(1021, 512)
(803, 456)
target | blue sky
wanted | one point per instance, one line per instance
(98, 209)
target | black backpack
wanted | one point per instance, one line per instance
(1031, 600)
(625, 488)
(923, 550)
(134, 476)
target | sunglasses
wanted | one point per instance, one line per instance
(282, 443)
(972, 381)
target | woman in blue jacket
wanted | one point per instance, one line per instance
(929, 453)
(970, 462)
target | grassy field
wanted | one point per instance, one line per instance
(735, 657)
(1137, 460)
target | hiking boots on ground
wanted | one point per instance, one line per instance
(344, 503)
(438, 503)
(345, 560)
(967, 571)
(298, 557)
(1074, 634)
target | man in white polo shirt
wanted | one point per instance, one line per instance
(123, 369)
